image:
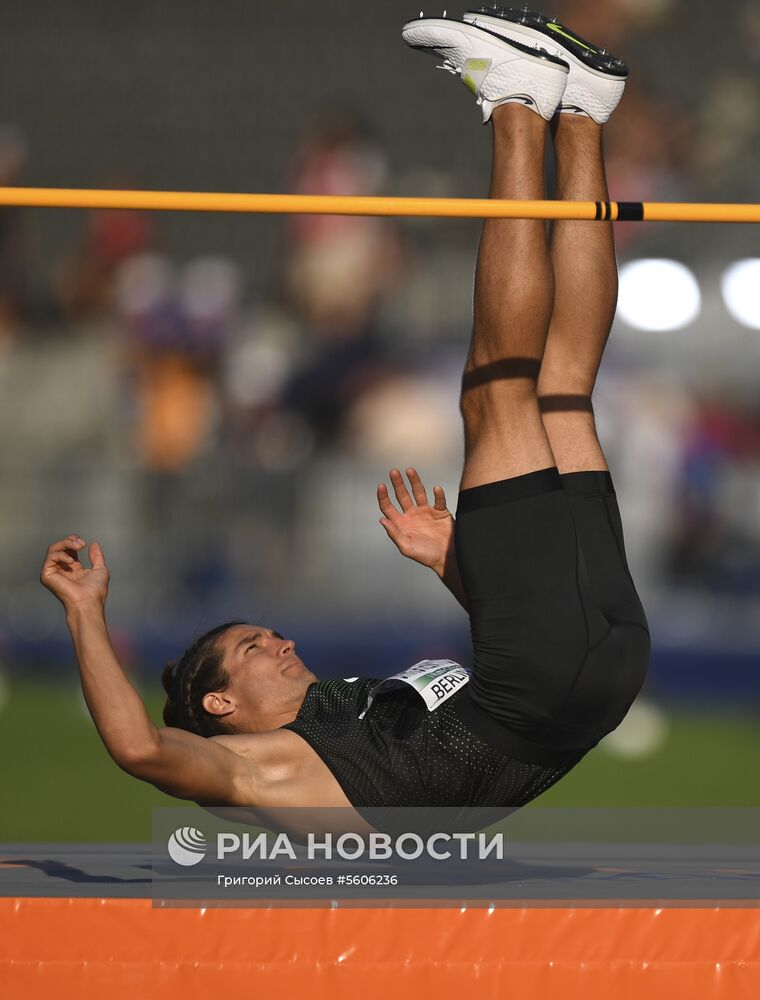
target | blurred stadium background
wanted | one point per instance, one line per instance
(216, 397)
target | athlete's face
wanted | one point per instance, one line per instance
(267, 678)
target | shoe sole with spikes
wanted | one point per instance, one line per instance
(597, 78)
(496, 69)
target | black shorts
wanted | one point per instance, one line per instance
(560, 639)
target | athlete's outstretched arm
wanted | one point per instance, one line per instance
(420, 531)
(178, 762)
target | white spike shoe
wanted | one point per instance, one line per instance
(496, 70)
(596, 80)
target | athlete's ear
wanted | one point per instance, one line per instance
(218, 703)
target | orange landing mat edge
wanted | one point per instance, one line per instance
(119, 948)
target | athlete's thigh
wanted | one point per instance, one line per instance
(600, 535)
(531, 623)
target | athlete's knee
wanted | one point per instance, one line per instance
(566, 377)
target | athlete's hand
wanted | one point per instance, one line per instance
(419, 531)
(71, 582)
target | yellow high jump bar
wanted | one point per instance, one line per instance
(449, 208)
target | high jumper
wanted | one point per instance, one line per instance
(560, 644)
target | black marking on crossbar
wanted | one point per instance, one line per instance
(630, 211)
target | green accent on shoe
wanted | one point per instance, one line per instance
(479, 68)
(559, 30)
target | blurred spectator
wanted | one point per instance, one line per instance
(715, 545)
(176, 329)
(176, 324)
(337, 270)
(337, 267)
(419, 409)
(110, 237)
(641, 417)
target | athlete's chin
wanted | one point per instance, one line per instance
(300, 672)
(296, 665)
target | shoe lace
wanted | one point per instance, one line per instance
(449, 66)
(455, 71)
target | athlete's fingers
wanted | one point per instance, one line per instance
(440, 498)
(60, 559)
(71, 544)
(418, 488)
(402, 493)
(385, 503)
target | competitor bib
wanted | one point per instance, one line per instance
(435, 681)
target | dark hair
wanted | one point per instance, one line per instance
(191, 677)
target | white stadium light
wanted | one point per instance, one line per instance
(740, 285)
(658, 295)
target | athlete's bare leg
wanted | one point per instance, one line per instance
(514, 294)
(586, 283)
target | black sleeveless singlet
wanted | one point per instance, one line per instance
(402, 754)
